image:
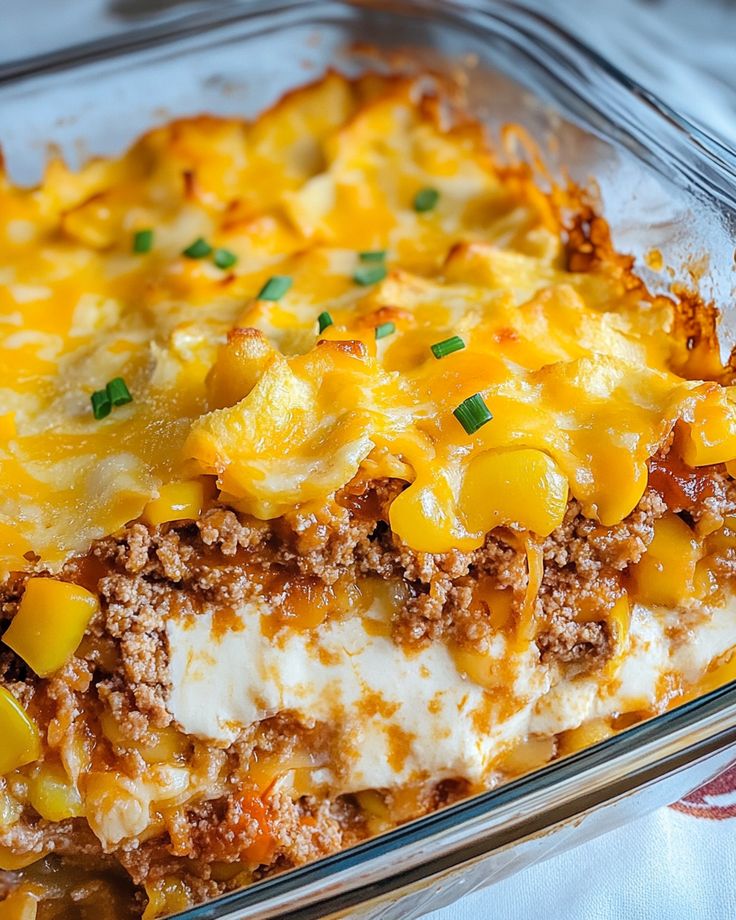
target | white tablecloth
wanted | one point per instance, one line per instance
(678, 863)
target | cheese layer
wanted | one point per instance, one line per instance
(401, 717)
(576, 367)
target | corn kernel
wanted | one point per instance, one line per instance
(165, 745)
(177, 501)
(50, 623)
(167, 896)
(666, 573)
(19, 905)
(585, 735)
(530, 755)
(374, 804)
(10, 810)
(711, 436)
(21, 743)
(11, 862)
(53, 795)
(481, 669)
(524, 487)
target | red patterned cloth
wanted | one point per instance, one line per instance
(715, 800)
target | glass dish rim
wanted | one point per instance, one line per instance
(666, 140)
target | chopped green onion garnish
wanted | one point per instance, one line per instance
(275, 288)
(223, 258)
(143, 241)
(472, 413)
(447, 346)
(101, 403)
(369, 274)
(324, 320)
(425, 199)
(118, 392)
(385, 329)
(372, 255)
(198, 250)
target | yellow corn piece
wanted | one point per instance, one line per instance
(524, 487)
(226, 871)
(20, 740)
(19, 905)
(530, 755)
(706, 581)
(711, 436)
(53, 795)
(164, 745)
(583, 736)
(264, 772)
(619, 619)
(10, 861)
(480, 668)
(50, 622)
(10, 811)
(666, 573)
(167, 896)
(177, 501)
(373, 803)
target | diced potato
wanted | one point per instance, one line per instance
(53, 795)
(666, 573)
(50, 622)
(20, 739)
(524, 487)
(177, 501)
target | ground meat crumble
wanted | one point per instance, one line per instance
(143, 574)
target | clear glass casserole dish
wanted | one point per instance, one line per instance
(663, 186)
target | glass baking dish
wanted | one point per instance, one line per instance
(663, 185)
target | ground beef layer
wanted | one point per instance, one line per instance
(144, 573)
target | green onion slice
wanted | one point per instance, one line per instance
(324, 320)
(447, 346)
(101, 403)
(275, 287)
(385, 329)
(143, 241)
(199, 249)
(118, 392)
(370, 274)
(224, 258)
(472, 413)
(372, 255)
(425, 199)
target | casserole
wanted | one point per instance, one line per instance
(670, 256)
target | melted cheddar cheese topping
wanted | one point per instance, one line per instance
(575, 367)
